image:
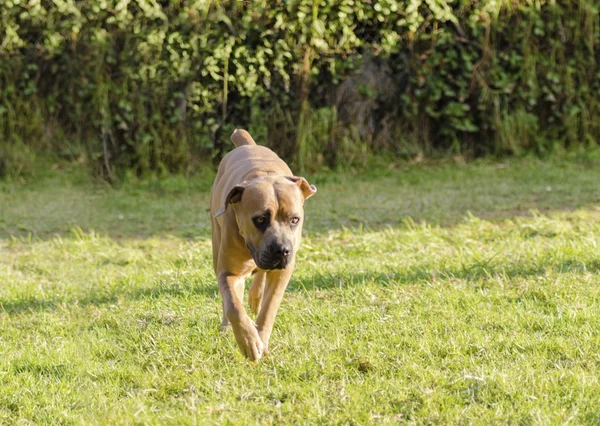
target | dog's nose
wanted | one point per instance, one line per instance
(277, 256)
(283, 250)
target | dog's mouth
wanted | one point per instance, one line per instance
(266, 262)
(270, 266)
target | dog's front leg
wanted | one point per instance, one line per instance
(255, 295)
(244, 330)
(276, 283)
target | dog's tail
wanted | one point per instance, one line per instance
(241, 137)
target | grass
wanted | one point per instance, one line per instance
(450, 293)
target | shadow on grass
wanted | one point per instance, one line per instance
(112, 298)
(439, 194)
(477, 273)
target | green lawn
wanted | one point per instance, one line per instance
(449, 293)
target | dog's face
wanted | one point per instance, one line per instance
(269, 213)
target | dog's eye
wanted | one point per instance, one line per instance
(295, 220)
(261, 222)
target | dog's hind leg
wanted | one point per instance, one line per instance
(255, 295)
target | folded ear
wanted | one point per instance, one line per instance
(307, 189)
(233, 196)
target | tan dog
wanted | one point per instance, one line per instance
(256, 205)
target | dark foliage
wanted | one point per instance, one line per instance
(152, 86)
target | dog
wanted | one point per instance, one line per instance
(257, 213)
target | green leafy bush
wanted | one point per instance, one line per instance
(153, 85)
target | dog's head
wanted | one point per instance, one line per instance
(270, 212)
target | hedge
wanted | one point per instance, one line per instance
(158, 85)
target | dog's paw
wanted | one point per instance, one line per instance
(250, 343)
(265, 339)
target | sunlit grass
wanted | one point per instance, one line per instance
(482, 320)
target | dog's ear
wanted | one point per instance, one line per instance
(307, 189)
(234, 196)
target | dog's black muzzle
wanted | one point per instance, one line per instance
(275, 256)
